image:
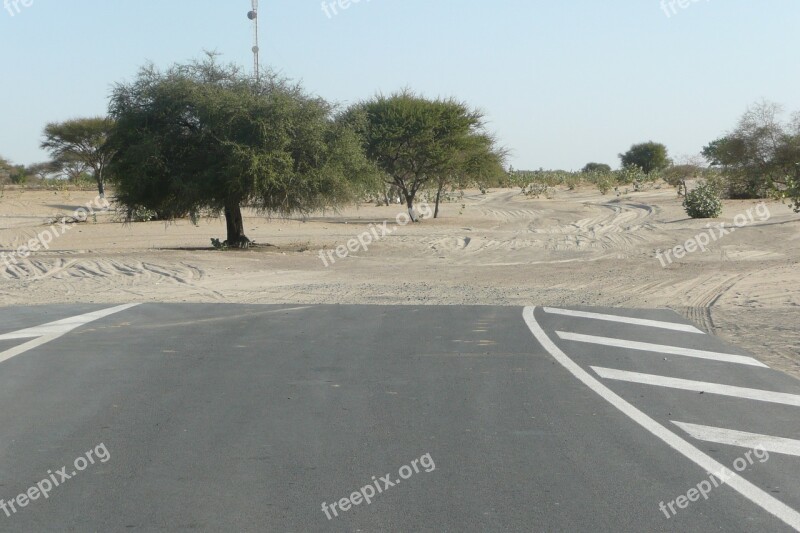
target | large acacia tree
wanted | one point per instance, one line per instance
(414, 141)
(206, 137)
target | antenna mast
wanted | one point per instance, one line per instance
(253, 15)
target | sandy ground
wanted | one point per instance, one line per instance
(579, 248)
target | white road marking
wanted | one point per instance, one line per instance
(699, 386)
(756, 495)
(624, 320)
(741, 438)
(53, 330)
(59, 327)
(660, 348)
(22, 348)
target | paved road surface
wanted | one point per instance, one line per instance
(250, 418)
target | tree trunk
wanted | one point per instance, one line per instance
(99, 177)
(410, 204)
(235, 226)
(438, 195)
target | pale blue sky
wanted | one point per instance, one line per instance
(562, 82)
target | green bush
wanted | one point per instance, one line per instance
(703, 202)
(141, 214)
(604, 182)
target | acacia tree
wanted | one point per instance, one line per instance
(206, 137)
(43, 170)
(80, 144)
(596, 167)
(760, 155)
(476, 159)
(649, 156)
(413, 140)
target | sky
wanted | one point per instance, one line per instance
(561, 83)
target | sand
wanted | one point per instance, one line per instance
(578, 248)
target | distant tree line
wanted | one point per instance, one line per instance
(206, 138)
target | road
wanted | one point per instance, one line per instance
(283, 418)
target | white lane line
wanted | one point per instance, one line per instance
(699, 386)
(660, 348)
(22, 348)
(756, 495)
(53, 330)
(59, 327)
(741, 438)
(624, 320)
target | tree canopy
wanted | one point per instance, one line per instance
(417, 142)
(80, 144)
(649, 156)
(596, 167)
(206, 137)
(760, 155)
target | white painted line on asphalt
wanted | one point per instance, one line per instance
(741, 438)
(53, 330)
(756, 495)
(660, 348)
(59, 327)
(624, 320)
(699, 386)
(22, 348)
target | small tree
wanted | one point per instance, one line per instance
(16, 174)
(415, 141)
(477, 160)
(596, 167)
(43, 170)
(80, 144)
(205, 136)
(760, 155)
(5, 170)
(649, 156)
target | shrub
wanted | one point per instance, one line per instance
(703, 202)
(572, 181)
(141, 214)
(630, 175)
(604, 183)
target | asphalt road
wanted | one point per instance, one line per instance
(265, 418)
